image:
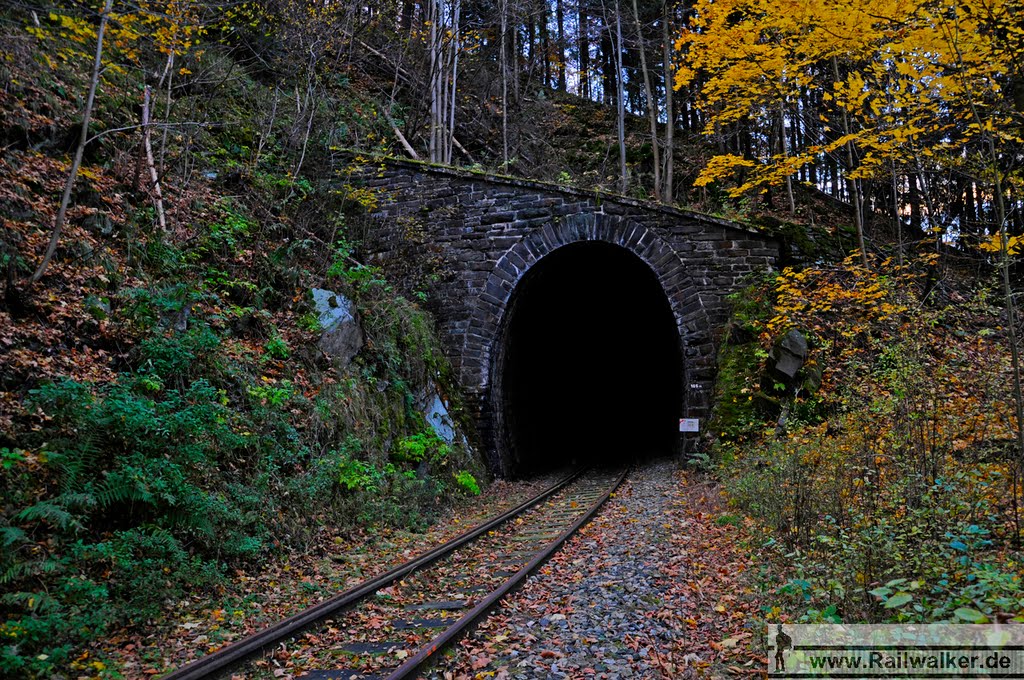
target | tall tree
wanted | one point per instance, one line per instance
(583, 46)
(445, 45)
(503, 61)
(560, 18)
(651, 102)
(668, 191)
(620, 101)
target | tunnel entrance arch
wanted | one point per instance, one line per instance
(588, 366)
(595, 246)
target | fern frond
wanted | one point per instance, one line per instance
(117, 489)
(33, 602)
(76, 465)
(21, 570)
(186, 518)
(11, 535)
(81, 500)
(49, 511)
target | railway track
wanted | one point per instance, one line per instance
(390, 626)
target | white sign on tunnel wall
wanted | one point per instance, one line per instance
(689, 424)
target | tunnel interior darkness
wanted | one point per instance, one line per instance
(590, 369)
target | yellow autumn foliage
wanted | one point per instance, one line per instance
(893, 71)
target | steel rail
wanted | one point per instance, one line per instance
(207, 666)
(413, 663)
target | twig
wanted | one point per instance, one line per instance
(127, 128)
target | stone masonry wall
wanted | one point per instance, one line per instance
(490, 230)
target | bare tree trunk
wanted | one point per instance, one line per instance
(607, 60)
(515, 57)
(435, 104)
(504, 84)
(584, 49)
(926, 192)
(544, 43)
(445, 45)
(270, 128)
(620, 100)
(154, 178)
(401, 138)
(560, 50)
(58, 223)
(652, 105)
(302, 154)
(858, 207)
(667, 192)
(896, 217)
(408, 9)
(785, 152)
(169, 75)
(455, 47)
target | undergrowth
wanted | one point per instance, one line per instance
(890, 491)
(166, 414)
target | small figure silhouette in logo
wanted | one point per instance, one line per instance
(782, 643)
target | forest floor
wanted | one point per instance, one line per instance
(659, 585)
(260, 596)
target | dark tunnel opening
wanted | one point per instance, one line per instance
(590, 368)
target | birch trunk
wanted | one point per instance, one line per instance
(154, 178)
(670, 118)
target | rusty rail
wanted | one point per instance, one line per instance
(413, 663)
(207, 666)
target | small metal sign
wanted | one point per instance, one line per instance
(689, 424)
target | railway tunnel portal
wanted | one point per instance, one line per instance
(582, 326)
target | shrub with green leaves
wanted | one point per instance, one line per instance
(422, 447)
(884, 490)
(467, 483)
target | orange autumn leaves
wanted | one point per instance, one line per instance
(874, 335)
(904, 374)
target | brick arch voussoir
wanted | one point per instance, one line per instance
(512, 266)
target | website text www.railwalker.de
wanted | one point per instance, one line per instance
(885, 651)
(912, 660)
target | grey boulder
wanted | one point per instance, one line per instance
(342, 336)
(788, 356)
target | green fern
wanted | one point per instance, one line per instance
(33, 602)
(22, 570)
(49, 511)
(81, 501)
(190, 519)
(74, 465)
(10, 536)
(118, 488)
